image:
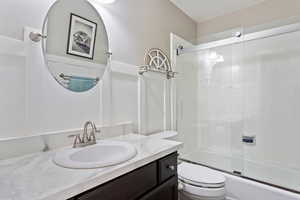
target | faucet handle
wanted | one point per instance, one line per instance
(77, 141)
(92, 136)
(74, 136)
(95, 128)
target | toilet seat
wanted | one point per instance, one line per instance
(202, 185)
(200, 176)
(203, 193)
(201, 182)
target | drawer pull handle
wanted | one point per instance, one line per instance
(171, 167)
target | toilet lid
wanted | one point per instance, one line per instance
(200, 176)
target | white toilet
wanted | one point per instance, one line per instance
(200, 183)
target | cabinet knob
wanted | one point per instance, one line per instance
(180, 186)
(171, 167)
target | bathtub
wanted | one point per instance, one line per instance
(243, 189)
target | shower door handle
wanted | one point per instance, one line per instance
(249, 139)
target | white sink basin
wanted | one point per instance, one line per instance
(102, 154)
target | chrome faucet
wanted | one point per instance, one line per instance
(87, 138)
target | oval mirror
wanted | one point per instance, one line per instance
(76, 45)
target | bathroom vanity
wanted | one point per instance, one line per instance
(150, 175)
(155, 181)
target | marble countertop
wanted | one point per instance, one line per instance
(36, 177)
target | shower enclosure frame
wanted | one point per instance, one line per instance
(239, 38)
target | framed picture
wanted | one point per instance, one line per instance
(82, 37)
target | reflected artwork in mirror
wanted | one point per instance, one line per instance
(76, 44)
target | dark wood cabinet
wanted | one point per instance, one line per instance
(167, 167)
(155, 181)
(166, 191)
(130, 186)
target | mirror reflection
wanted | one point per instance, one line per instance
(76, 48)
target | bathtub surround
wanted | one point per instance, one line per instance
(242, 189)
(249, 93)
(256, 81)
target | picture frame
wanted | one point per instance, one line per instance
(81, 37)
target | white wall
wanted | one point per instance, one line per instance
(32, 102)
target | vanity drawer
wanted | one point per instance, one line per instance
(167, 167)
(128, 187)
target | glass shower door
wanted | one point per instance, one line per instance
(210, 107)
(238, 108)
(272, 109)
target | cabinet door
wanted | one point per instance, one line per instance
(166, 191)
(167, 167)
